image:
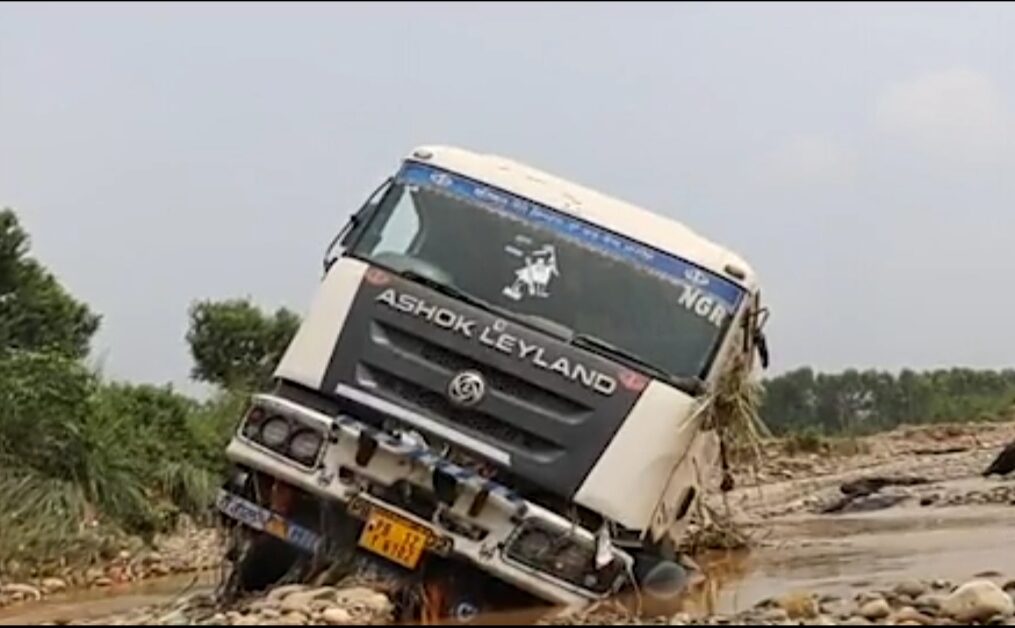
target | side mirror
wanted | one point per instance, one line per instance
(762, 344)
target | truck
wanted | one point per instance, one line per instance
(504, 389)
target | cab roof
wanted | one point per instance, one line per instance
(619, 216)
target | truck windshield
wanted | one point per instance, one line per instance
(534, 261)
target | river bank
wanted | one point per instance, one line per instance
(838, 534)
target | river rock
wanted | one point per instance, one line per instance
(335, 616)
(302, 601)
(912, 588)
(279, 593)
(875, 610)
(293, 619)
(910, 614)
(21, 591)
(929, 602)
(856, 621)
(103, 582)
(361, 601)
(53, 585)
(978, 600)
(775, 615)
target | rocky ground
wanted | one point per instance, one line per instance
(291, 605)
(190, 549)
(910, 603)
(918, 468)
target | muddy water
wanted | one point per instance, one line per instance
(840, 555)
(823, 554)
(84, 605)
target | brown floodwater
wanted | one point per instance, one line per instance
(823, 554)
(88, 604)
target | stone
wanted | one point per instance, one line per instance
(978, 600)
(302, 601)
(158, 569)
(335, 616)
(53, 585)
(279, 593)
(93, 574)
(775, 615)
(911, 588)
(929, 601)
(153, 558)
(21, 591)
(270, 613)
(293, 619)
(103, 582)
(910, 614)
(363, 601)
(856, 621)
(875, 610)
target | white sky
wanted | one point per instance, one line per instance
(859, 156)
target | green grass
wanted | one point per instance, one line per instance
(83, 461)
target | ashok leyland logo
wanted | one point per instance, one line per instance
(467, 388)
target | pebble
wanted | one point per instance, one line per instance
(278, 593)
(798, 605)
(910, 614)
(978, 600)
(336, 616)
(53, 585)
(912, 588)
(21, 591)
(775, 615)
(875, 609)
(302, 601)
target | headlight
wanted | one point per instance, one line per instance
(304, 446)
(275, 432)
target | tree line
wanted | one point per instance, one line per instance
(862, 402)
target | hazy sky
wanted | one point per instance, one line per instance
(859, 156)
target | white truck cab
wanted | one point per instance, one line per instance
(501, 370)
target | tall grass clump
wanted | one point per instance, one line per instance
(83, 461)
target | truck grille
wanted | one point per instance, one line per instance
(453, 362)
(474, 421)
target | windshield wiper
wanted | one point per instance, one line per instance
(691, 385)
(457, 293)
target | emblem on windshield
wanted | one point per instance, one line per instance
(532, 279)
(441, 179)
(467, 388)
(696, 277)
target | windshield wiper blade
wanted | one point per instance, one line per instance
(691, 385)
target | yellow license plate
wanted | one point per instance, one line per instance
(394, 538)
(277, 527)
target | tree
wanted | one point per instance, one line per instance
(235, 345)
(36, 313)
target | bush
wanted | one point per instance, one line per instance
(80, 459)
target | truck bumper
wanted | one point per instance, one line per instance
(474, 518)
